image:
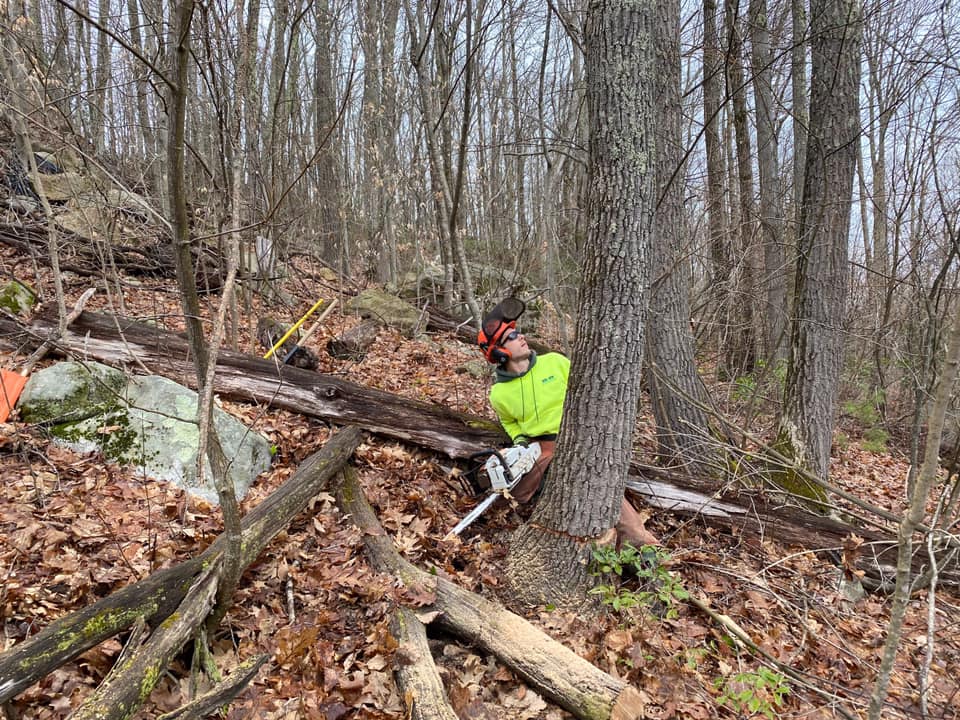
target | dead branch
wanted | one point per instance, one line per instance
(552, 669)
(223, 693)
(155, 598)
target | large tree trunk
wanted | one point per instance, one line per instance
(378, 37)
(547, 557)
(156, 597)
(330, 231)
(806, 426)
(677, 394)
(771, 206)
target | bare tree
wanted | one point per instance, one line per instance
(186, 279)
(433, 38)
(677, 394)
(913, 518)
(716, 200)
(806, 424)
(772, 220)
(547, 556)
(742, 347)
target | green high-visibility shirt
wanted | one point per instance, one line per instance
(531, 404)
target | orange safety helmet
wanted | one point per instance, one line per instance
(498, 323)
(491, 338)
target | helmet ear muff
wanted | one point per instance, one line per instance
(490, 337)
(499, 355)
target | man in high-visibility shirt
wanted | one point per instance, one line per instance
(528, 397)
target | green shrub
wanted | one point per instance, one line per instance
(754, 692)
(654, 587)
(875, 439)
(866, 410)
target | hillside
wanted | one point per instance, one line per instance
(75, 529)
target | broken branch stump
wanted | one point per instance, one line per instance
(353, 344)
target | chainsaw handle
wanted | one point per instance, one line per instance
(495, 451)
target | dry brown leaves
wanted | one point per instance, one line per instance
(75, 529)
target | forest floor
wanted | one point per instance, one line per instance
(74, 529)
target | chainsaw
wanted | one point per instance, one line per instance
(503, 469)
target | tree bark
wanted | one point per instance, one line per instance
(210, 449)
(546, 561)
(801, 104)
(805, 429)
(330, 227)
(138, 669)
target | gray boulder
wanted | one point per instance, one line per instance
(389, 310)
(146, 422)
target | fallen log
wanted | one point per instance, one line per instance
(555, 671)
(119, 341)
(156, 597)
(151, 257)
(137, 671)
(415, 672)
(222, 694)
(113, 340)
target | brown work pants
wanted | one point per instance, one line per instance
(530, 483)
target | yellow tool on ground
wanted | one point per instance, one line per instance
(292, 330)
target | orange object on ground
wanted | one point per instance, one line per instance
(11, 383)
(12, 386)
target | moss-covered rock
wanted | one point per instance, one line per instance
(389, 310)
(17, 298)
(71, 391)
(146, 422)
